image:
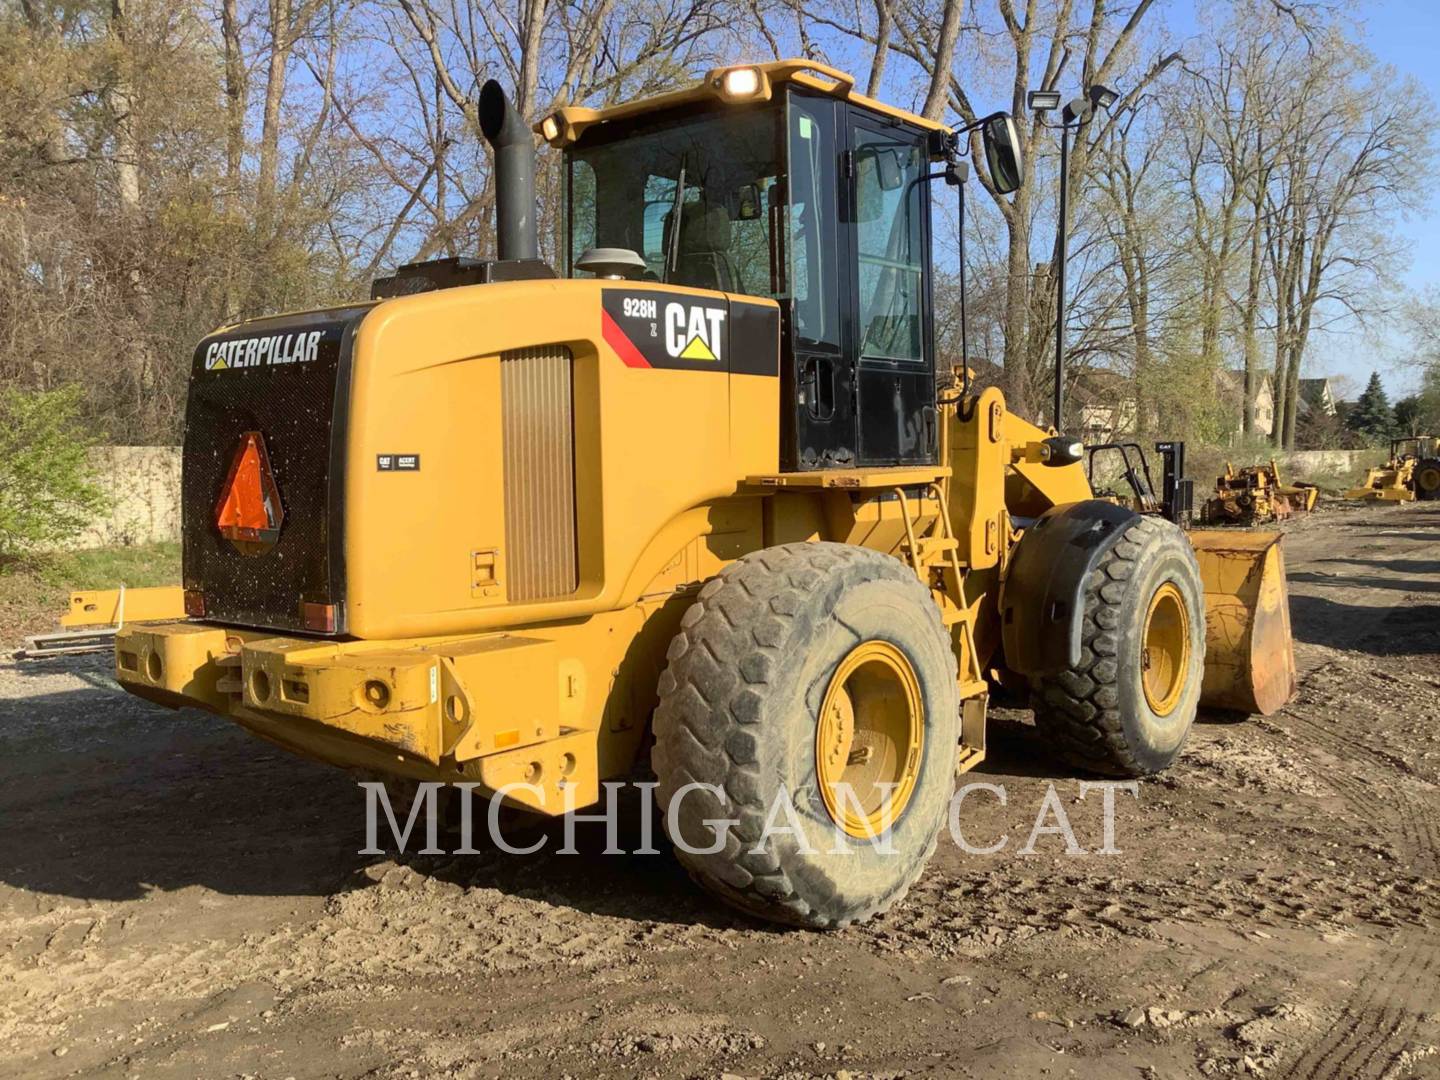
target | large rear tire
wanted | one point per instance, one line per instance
(1127, 706)
(798, 669)
(1427, 479)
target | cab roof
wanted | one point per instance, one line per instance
(564, 126)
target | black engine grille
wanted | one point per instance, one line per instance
(295, 393)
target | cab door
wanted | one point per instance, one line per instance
(890, 334)
(818, 429)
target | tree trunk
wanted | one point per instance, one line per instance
(1282, 373)
(121, 99)
(944, 58)
(530, 59)
(236, 95)
(884, 27)
(122, 108)
(1248, 317)
(1297, 349)
(1016, 330)
(281, 42)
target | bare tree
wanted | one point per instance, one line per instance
(1350, 152)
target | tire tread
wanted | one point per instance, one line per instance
(740, 622)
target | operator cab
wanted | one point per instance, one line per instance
(815, 200)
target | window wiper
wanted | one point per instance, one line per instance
(672, 257)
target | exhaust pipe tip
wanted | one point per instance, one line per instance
(498, 118)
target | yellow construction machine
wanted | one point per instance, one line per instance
(699, 490)
(1411, 472)
(1254, 494)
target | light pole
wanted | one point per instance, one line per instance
(1074, 116)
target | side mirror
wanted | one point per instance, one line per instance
(892, 169)
(748, 202)
(878, 169)
(1002, 152)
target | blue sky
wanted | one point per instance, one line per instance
(1406, 33)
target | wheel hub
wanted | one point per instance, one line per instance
(1165, 649)
(869, 739)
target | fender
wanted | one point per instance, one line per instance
(1041, 603)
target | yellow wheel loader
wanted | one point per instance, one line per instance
(1411, 472)
(1254, 494)
(503, 527)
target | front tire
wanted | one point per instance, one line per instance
(799, 669)
(1127, 706)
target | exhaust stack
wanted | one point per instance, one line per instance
(515, 231)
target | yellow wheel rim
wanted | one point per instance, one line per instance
(869, 739)
(1165, 654)
(1428, 480)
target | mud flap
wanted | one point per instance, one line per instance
(1249, 654)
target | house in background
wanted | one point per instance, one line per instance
(1317, 394)
(1104, 402)
(1230, 386)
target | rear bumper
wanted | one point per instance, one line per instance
(496, 709)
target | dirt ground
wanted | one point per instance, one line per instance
(179, 899)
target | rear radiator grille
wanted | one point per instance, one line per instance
(538, 420)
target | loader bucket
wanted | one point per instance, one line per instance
(1249, 655)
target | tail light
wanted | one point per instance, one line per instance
(319, 617)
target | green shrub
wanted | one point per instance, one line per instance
(47, 494)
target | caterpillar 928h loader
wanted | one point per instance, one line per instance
(505, 527)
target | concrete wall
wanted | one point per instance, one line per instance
(1303, 464)
(144, 485)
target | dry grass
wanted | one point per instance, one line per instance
(34, 591)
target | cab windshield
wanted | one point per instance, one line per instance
(760, 213)
(727, 170)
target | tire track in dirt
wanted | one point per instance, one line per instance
(978, 917)
(1381, 1014)
(1379, 1017)
(1402, 810)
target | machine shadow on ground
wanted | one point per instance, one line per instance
(1408, 631)
(175, 800)
(166, 801)
(1367, 581)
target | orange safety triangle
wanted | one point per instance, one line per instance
(250, 505)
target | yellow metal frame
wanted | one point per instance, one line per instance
(1270, 498)
(114, 607)
(1391, 482)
